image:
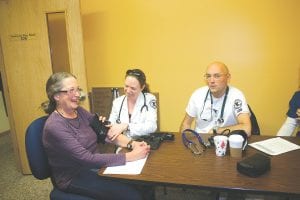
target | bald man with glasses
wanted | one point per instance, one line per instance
(217, 106)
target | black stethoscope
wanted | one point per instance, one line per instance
(144, 106)
(220, 120)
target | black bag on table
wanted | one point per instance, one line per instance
(254, 165)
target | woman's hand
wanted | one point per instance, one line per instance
(298, 113)
(139, 150)
(115, 130)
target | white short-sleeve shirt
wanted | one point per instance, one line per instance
(207, 112)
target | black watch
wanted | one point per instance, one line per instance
(129, 144)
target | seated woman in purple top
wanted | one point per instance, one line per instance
(293, 117)
(71, 145)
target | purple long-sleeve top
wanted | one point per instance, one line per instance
(71, 145)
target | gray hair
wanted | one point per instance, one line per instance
(53, 86)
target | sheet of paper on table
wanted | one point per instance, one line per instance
(275, 146)
(133, 167)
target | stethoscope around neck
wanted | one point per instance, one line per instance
(144, 106)
(220, 120)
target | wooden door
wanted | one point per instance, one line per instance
(27, 60)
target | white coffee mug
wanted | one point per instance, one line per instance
(220, 144)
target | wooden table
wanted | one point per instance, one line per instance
(174, 165)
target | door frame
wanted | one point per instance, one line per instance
(27, 62)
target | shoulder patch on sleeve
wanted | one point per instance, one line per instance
(238, 105)
(153, 103)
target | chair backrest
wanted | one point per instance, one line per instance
(255, 130)
(101, 99)
(36, 154)
(156, 94)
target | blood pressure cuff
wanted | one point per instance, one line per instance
(254, 165)
(155, 139)
(99, 128)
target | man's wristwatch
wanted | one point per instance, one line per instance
(129, 144)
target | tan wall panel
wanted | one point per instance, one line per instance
(27, 66)
(27, 61)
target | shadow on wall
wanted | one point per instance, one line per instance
(4, 124)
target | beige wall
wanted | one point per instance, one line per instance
(27, 63)
(174, 40)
